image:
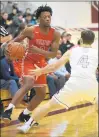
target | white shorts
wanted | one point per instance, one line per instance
(76, 90)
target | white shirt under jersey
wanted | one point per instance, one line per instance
(84, 62)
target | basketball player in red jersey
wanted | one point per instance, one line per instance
(43, 43)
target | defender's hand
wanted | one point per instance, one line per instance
(35, 73)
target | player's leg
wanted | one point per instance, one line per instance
(38, 114)
(41, 111)
(72, 93)
(36, 100)
(28, 84)
(66, 97)
(40, 86)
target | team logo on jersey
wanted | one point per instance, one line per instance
(43, 42)
(83, 61)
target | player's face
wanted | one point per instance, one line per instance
(59, 54)
(45, 19)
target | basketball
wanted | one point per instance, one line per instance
(16, 50)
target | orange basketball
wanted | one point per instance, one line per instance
(16, 50)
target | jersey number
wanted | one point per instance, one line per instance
(42, 47)
(83, 61)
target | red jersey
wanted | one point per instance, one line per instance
(40, 40)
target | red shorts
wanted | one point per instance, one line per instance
(28, 65)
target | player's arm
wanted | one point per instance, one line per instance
(26, 33)
(51, 67)
(5, 39)
(54, 47)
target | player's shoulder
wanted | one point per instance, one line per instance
(74, 48)
(30, 27)
(94, 51)
(55, 30)
(56, 33)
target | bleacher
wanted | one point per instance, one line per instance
(6, 96)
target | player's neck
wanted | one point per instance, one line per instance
(44, 29)
(86, 45)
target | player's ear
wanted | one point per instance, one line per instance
(81, 41)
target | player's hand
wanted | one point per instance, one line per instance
(35, 73)
(34, 49)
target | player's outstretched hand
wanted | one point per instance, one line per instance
(35, 73)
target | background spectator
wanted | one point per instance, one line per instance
(65, 46)
(19, 30)
(57, 79)
(34, 21)
(51, 81)
(15, 6)
(13, 14)
(4, 37)
(65, 42)
(8, 79)
(3, 20)
(17, 21)
(62, 70)
(28, 19)
(28, 11)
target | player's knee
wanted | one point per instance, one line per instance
(28, 82)
(41, 94)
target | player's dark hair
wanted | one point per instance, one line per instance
(87, 36)
(68, 34)
(63, 34)
(43, 9)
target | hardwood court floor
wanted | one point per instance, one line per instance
(65, 124)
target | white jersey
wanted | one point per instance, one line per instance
(84, 62)
(82, 85)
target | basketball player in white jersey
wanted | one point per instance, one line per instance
(82, 84)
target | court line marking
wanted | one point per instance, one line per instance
(55, 112)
